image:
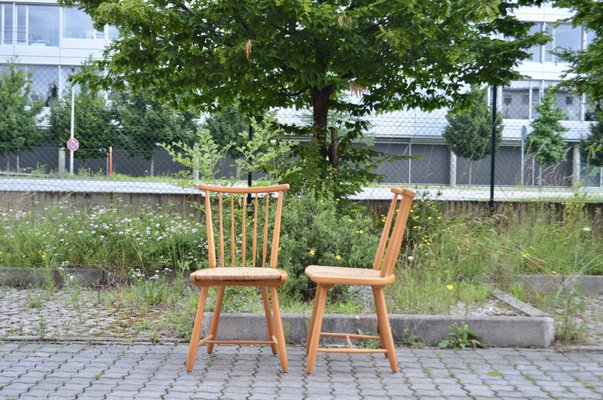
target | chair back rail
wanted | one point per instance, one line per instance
(242, 214)
(390, 242)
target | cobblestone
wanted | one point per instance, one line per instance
(162, 376)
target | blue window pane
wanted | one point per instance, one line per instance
(21, 24)
(43, 26)
(535, 50)
(78, 25)
(7, 28)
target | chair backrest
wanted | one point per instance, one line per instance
(246, 225)
(391, 237)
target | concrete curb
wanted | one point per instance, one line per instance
(500, 331)
(518, 331)
(584, 284)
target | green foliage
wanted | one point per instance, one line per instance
(469, 127)
(312, 55)
(148, 289)
(460, 337)
(18, 129)
(585, 72)
(545, 141)
(143, 122)
(268, 152)
(228, 126)
(316, 231)
(424, 222)
(204, 154)
(93, 126)
(119, 240)
(592, 145)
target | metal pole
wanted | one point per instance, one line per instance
(249, 172)
(524, 134)
(493, 149)
(72, 128)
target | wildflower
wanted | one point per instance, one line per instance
(312, 252)
(586, 229)
(338, 257)
(429, 217)
(450, 286)
(361, 232)
(410, 258)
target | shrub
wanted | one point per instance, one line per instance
(318, 231)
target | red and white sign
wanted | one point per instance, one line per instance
(73, 144)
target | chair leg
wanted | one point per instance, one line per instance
(280, 334)
(196, 336)
(384, 328)
(215, 320)
(315, 327)
(311, 322)
(269, 316)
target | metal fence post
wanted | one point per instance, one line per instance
(62, 161)
(493, 149)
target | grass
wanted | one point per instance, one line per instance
(447, 260)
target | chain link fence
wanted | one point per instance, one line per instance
(118, 150)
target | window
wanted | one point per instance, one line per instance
(536, 55)
(7, 23)
(43, 26)
(44, 82)
(21, 24)
(565, 36)
(590, 36)
(30, 25)
(516, 101)
(78, 25)
(113, 32)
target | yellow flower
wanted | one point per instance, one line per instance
(428, 217)
(350, 219)
(338, 257)
(312, 252)
(361, 232)
(450, 286)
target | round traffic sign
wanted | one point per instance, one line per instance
(73, 144)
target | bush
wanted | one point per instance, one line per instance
(318, 231)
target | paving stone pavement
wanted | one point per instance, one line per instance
(33, 370)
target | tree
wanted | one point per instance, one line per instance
(586, 66)
(93, 126)
(18, 128)
(226, 127)
(592, 145)
(545, 142)
(312, 55)
(469, 129)
(142, 123)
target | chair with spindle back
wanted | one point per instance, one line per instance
(380, 276)
(247, 231)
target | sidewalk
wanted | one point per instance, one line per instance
(32, 370)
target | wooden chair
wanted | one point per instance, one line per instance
(380, 276)
(242, 233)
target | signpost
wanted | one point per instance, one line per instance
(73, 141)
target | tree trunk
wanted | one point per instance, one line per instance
(470, 165)
(18, 163)
(7, 161)
(540, 175)
(152, 168)
(320, 114)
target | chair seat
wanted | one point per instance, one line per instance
(346, 275)
(237, 274)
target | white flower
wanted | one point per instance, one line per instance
(410, 258)
(586, 229)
